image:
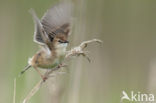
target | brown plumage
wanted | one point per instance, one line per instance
(51, 33)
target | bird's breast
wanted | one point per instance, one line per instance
(52, 61)
(46, 61)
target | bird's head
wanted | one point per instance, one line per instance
(60, 41)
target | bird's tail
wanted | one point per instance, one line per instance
(25, 69)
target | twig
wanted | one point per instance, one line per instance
(14, 95)
(33, 91)
(38, 85)
(79, 49)
(76, 51)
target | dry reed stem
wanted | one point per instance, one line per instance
(76, 51)
(14, 95)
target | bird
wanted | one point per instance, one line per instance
(51, 34)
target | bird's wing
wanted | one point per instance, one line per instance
(57, 20)
(40, 36)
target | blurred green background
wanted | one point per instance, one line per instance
(125, 61)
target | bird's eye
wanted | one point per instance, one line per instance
(60, 41)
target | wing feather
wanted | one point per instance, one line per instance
(40, 36)
(57, 19)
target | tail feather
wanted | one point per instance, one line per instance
(25, 69)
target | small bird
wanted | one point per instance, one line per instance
(51, 33)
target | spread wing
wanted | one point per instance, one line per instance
(57, 20)
(40, 36)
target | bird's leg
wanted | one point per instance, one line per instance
(43, 77)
